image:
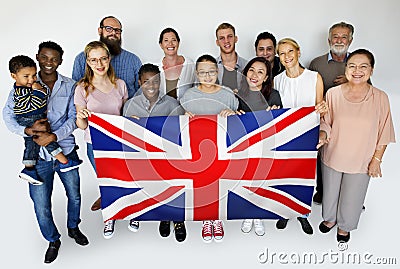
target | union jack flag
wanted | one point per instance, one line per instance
(257, 165)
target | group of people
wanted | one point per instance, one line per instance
(45, 108)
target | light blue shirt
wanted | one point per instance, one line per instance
(331, 59)
(61, 115)
(126, 66)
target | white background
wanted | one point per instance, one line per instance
(72, 24)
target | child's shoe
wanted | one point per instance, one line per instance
(31, 176)
(70, 165)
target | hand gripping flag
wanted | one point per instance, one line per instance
(257, 165)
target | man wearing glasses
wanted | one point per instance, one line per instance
(126, 64)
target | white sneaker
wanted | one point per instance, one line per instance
(259, 227)
(133, 225)
(108, 229)
(247, 224)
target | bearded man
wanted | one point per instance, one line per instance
(332, 64)
(331, 67)
(126, 64)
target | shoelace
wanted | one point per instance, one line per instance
(207, 227)
(218, 226)
(109, 226)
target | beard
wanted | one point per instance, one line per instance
(113, 45)
(339, 50)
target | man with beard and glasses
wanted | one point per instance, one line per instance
(126, 64)
(331, 67)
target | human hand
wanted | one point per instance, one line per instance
(321, 108)
(44, 138)
(340, 80)
(41, 125)
(135, 117)
(83, 113)
(240, 112)
(374, 168)
(323, 139)
(37, 86)
(190, 114)
(272, 107)
(226, 112)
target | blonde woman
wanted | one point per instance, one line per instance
(99, 91)
(298, 87)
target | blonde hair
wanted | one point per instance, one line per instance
(289, 41)
(87, 79)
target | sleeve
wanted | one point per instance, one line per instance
(79, 96)
(138, 64)
(386, 129)
(275, 99)
(9, 117)
(28, 99)
(235, 103)
(326, 121)
(78, 70)
(67, 128)
(124, 90)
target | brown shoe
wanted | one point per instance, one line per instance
(96, 205)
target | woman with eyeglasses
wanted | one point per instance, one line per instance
(354, 134)
(178, 71)
(98, 91)
(209, 98)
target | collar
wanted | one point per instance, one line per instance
(146, 101)
(331, 59)
(238, 64)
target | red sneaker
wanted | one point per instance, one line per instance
(218, 226)
(207, 231)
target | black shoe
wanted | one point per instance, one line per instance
(317, 199)
(305, 225)
(325, 229)
(164, 228)
(343, 238)
(79, 237)
(281, 224)
(52, 251)
(180, 231)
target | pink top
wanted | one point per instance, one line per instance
(355, 129)
(100, 102)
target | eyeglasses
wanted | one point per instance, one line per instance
(109, 29)
(211, 73)
(362, 67)
(95, 61)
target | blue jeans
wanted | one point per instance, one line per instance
(31, 151)
(41, 197)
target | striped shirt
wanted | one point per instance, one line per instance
(28, 101)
